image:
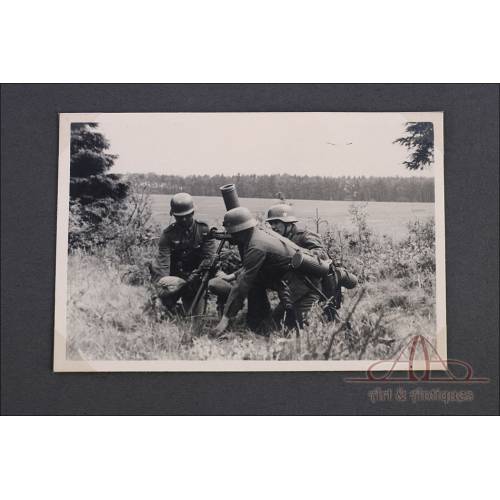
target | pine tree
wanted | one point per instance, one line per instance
(97, 198)
(89, 164)
(420, 142)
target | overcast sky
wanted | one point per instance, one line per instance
(260, 143)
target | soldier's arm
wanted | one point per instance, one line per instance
(208, 248)
(252, 263)
(163, 260)
(313, 243)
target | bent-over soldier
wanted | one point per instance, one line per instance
(184, 251)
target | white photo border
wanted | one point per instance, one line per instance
(62, 364)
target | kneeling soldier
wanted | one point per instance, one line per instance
(185, 249)
(282, 220)
(266, 260)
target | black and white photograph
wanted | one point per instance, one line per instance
(226, 214)
(250, 241)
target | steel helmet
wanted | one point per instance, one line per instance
(181, 204)
(238, 219)
(281, 212)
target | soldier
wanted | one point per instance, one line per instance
(266, 265)
(282, 220)
(185, 250)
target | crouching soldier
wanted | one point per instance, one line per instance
(283, 221)
(266, 259)
(185, 250)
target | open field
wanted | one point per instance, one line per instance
(388, 218)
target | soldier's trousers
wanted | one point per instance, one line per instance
(290, 319)
(221, 289)
(260, 317)
(259, 308)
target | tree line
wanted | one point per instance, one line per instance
(415, 189)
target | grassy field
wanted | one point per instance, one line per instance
(389, 218)
(109, 319)
(111, 315)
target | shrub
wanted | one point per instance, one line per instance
(122, 231)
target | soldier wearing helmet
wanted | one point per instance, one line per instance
(282, 220)
(266, 260)
(184, 250)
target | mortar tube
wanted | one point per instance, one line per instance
(230, 196)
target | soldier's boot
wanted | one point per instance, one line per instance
(330, 312)
(167, 306)
(284, 319)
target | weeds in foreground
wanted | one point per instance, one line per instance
(109, 319)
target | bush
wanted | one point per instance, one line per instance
(374, 258)
(122, 230)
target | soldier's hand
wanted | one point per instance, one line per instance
(208, 263)
(192, 277)
(221, 327)
(224, 276)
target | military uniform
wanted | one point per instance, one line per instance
(307, 239)
(332, 282)
(266, 265)
(312, 241)
(183, 251)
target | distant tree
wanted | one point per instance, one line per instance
(420, 189)
(89, 164)
(420, 142)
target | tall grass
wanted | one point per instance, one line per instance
(112, 316)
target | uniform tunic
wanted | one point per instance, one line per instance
(182, 250)
(312, 241)
(307, 239)
(266, 264)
